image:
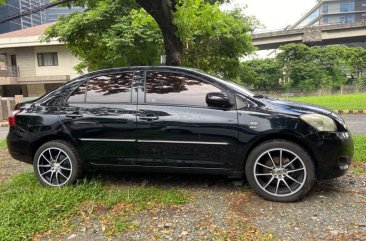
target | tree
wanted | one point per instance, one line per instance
(127, 34)
(163, 12)
(110, 34)
(262, 73)
(214, 41)
(321, 67)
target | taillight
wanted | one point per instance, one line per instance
(12, 117)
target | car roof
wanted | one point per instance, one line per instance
(136, 68)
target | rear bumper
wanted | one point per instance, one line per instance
(19, 147)
(333, 152)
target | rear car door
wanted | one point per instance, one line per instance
(176, 128)
(100, 115)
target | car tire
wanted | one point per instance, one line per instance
(56, 164)
(280, 171)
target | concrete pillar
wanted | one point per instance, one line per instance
(18, 99)
(1, 110)
(6, 111)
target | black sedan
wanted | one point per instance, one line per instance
(172, 119)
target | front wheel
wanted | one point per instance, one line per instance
(56, 164)
(280, 171)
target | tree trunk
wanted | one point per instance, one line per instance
(162, 12)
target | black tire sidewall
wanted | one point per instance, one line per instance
(293, 147)
(69, 150)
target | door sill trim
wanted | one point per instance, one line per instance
(158, 141)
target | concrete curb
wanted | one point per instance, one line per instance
(350, 111)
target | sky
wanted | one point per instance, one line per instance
(276, 14)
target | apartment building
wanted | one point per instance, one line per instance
(334, 12)
(13, 7)
(32, 68)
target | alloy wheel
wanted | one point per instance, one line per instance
(54, 167)
(280, 172)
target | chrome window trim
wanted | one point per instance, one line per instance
(107, 140)
(157, 141)
(185, 142)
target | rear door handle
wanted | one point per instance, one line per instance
(149, 117)
(74, 115)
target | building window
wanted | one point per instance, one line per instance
(342, 19)
(348, 6)
(350, 18)
(325, 19)
(47, 59)
(325, 8)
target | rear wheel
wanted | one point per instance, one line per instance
(56, 164)
(280, 171)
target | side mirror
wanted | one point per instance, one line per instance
(218, 99)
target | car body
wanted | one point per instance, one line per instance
(173, 119)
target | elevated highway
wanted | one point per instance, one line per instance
(312, 35)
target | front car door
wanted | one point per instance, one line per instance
(100, 115)
(176, 128)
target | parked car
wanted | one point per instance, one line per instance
(172, 119)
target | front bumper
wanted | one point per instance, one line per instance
(333, 152)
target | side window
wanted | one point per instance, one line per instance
(110, 88)
(78, 95)
(176, 89)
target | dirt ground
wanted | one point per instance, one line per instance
(220, 209)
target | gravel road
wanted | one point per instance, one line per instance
(220, 209)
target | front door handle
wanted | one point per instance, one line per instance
(149, 117)
(74, 115)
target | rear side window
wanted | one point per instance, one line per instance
(113, 88)
(110, 88)
(78, 95)
(176, 89)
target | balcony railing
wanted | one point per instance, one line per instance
(12, 71)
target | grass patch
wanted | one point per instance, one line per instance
(357, 170)
(360, 148)
(3, 144)
(337, 102)
(27, 208)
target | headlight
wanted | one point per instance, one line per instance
(319, 122)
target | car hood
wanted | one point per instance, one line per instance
(294, 108)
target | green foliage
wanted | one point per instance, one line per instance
(337, 102)
(261, 73)
(3, 144)
(214, 40)
(28, 208)
(114, 33)
(311, 68)
(360, 148)
(357, 170)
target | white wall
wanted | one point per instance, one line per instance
(66, 62)
(25, 61)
